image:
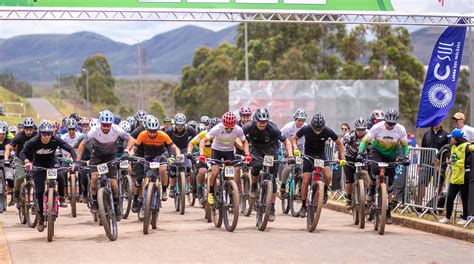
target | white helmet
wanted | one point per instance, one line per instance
(300, 114)
(125, 125)
(71, 123)
(106, 117)
(180, 119)
(94, 122)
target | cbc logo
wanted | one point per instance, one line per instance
(440, 95)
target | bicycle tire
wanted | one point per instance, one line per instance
(355, 203)
(182, 193)
(31, 207)
(315, 206)
(245, 205)
(216, 212)
(21, 207)
(232, 206)
(72, 178)
(190, 194)
(292, 198)
(50, 217)
(126, 195)
(382, 215)
(264, 206)
(106, 214)
(156, 202)
(361, 197)
(285, 200)
(148, 200)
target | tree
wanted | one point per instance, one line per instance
(461, 102)
(158, 110)
(101, 82)
(9, 82)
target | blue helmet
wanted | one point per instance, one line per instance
(117, 119)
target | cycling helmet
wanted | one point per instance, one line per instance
(229, 119)
(71, 123)
(45, 126)
(152, 124)
(85, 121)
(106, 117)
(131, 120)
(214, 121)
(140, 115)
(361, 123)
(193, 124)
(300, 114)
(261, 114)
(318, 122)
(3, 128)
(94, 122)
(392, 116)
(201, 127)
(147, 118)
(117, 119)
(245, 111)
(125, 126)
(20, 125)
(28, 122)
(75, 116)
(12, 129)
(167, 120)
(180, 119)
(205, 120)
(377, 115)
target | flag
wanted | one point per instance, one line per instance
(439, 89)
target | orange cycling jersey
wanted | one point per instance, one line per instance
(153, 146)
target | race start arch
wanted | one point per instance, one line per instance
(396, 12)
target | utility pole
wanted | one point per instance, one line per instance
(246, 53)
(471, 77)
(87, 92)
(140, 105)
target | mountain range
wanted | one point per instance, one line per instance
(43, 57)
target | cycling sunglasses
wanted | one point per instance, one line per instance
(390, 124)
(106, 125)
(46, 134)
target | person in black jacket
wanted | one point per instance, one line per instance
(40, 151)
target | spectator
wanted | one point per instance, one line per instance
(458, 120)
(460, 172)
(345, 129)
(411, 140)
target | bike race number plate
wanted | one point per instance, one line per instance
(154, 165)
(124, 164)
(229, 172)
(299, 161)
(268, 160)
(359, 164)
(382, 164)
(318, 163)
(102, 168)
(51, 174)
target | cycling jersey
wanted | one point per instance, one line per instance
(207, 145)
(44, 155)
(315, 144)
(290, 129)
(71, 141)
(19, 140)
(105, 144)
(154, 147)
(86, 155)
(181, 140)
(2, 147)
(351, 144)
(386, 141)
(266, 141)
(222, 140)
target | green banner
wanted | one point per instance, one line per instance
(303, 5)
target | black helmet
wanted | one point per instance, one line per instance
(261, 114)
(392, 116)
(318, 122)
(214, 121)
(361, 123)
(75, 116)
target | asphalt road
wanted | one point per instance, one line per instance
(44, 109)
(189, 238)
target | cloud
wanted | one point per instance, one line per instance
(126, 32)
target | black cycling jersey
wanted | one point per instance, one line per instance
(2, 146)
(137, 131)
(181, 140)
(20, 139)
(315, 144)
(44, 154)
(267, 140)
(86, 155)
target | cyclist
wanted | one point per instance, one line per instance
(85, 125)
(375, 117)
(205, 120)
(384, 138)
(122, 143)
(166, 123)
(117, 119)
(40, 151)
(245, 115)
(132, 121)
(105, 139)
(192, 124)
(155, 145)
(12, 130)
(16, 145)
(264, 137)
(4, 141)
(181, 134)
(223, 137)
(316, 134)
(351, 143)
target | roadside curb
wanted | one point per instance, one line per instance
(5, 257)
(419, 224)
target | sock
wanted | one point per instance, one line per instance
(211, 189)
(200, 185)
(254, 186)
(325, 188)
(283, 186)
(303, 203)
(163, 188)
(273, 206)
(349, 196)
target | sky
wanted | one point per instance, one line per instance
(125, 31)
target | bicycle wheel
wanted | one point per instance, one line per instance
(72, 179)
(216, 212)
(107, 214)
(355, 203)
(31, 206)
(361, 202)
(264, 205)
(293, 197)
(285, 200)
(3, 196)
(191, 190)
(245, 204)
(231, 207)
(21, 204)
(182, 193)
(148, 204)
(126, 196)
(315, 206)
(155, 206)
(50, 217)
(381, 210)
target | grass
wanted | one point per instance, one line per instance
(7, 96)
(64, 106)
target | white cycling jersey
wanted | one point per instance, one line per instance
(290, 130)
(105, 144)
(70, 141)
(222, 140)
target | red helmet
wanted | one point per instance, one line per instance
(229, 119)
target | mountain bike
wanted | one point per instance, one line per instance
(245, 185)
(178, 170)
(3, 186)
(125, 187)
(358, 194)
(226, 195)
(292, 187)
(190, 187)
(27, 204)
